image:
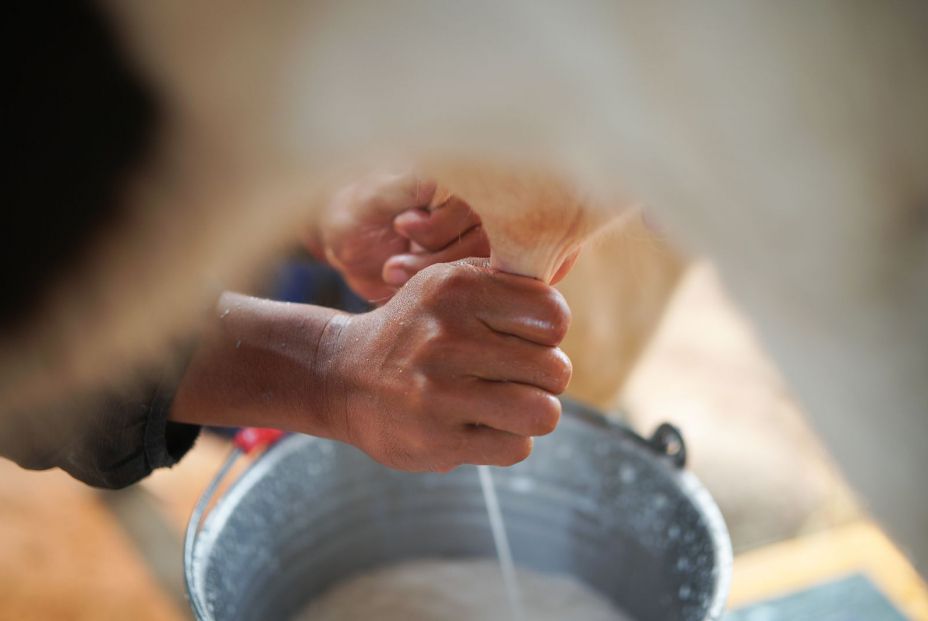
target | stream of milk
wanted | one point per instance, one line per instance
(501, 541)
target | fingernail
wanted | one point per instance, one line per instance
(395, 276)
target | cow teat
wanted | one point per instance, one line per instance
(535, 222)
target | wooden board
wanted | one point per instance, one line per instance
(862, 547)
(63, 556)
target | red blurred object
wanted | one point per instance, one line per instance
(250, 438)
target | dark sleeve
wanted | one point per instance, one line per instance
(111, 439)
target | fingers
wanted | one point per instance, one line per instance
(398, 269)
(525, 308)
(514, 408)
(481, 367)
(504, 439)
(487, 446)
(376, 200)
(481, 446)
(435, 229)
(499, 360)
(469, 291)
(394, 193)
(355, 233)
(446, 233)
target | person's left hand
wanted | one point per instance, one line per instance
(382, 230)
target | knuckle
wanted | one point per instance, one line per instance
(435, 273)
(449, 289)
(518, 452)
(556, 314)
(561, 371)
(421, 384)
(447, 279)
(458, 277)
(443, 348)
(548, 415)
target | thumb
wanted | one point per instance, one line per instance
(401, 267)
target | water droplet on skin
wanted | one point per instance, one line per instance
(225, 313)
(238, 343)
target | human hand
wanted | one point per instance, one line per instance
(461, 366)
(380, 231)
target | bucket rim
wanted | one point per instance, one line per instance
(689, 484)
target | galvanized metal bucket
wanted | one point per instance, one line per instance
(594, 500)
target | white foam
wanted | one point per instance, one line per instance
(459, 590)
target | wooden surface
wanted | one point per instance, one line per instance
(62, 555)
(861, 547)
(67, 551)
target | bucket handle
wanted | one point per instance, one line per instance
(667, 441)
(245, 442)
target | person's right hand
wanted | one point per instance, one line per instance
(460, 367)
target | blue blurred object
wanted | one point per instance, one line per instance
(853, 598)
(308, 282)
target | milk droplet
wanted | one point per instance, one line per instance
(627, 474)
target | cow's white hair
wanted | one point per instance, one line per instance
(787, 141)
